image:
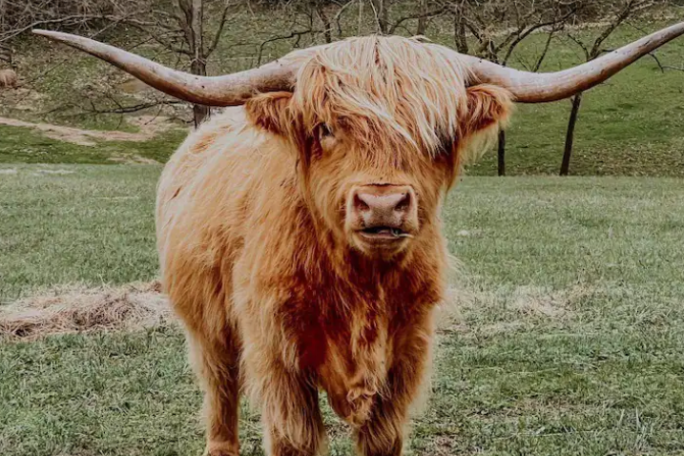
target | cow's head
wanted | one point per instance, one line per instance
(380, 124)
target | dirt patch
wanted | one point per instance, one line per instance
(80, 309)
(133, 159)
(150, 126)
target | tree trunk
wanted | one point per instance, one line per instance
(382, 15)
(200, 113)
(359, 27)
(460, 33)
(570, 134)
(192, 26)
(3, 14)
(327, 31)
(501, 153)
(199, 64)
(422, 20)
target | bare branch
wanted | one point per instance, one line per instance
(295, 34)
(423, 15)
(532, 28)
(219, 32)
(543, 54)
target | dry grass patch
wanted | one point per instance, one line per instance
(70, 309)
(466, 309)
(79, 309)
(471, 308)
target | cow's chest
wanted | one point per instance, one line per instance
(348, 345)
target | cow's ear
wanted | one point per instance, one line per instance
(488, 106)
(272, 112)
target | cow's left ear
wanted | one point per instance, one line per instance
(271, 111)
(488, 106)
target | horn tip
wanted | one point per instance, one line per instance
(46, 33)
(49, 34)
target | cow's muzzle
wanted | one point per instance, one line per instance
(383, 215)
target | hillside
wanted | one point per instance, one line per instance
(631, 125)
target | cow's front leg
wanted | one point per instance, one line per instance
(291, 415)
(383, 434)
(292, 420)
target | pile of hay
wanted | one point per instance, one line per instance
(81, 309)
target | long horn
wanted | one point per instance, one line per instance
(229, 90)
(528, 87)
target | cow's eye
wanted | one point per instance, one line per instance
(324, 131)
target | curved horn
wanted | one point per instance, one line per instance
(228, 90)
(528, 87)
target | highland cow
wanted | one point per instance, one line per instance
(299, 235)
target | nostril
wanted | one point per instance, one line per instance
(360, 204)
(404, 203)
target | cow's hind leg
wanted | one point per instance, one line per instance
(217, 365)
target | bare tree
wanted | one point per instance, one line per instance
(499, 26)
(185, 32)
(319, 7)
(388, 22)
(422, 19)
(6, 54)
(310, 22)
(624, 10)
(20, 16)
(381, 10)
(460, 34)
(190, 29)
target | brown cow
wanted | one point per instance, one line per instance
(8, 78)
(299, 235)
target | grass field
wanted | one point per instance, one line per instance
(570, 343)
(569, 331)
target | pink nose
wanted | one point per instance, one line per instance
(384, 205)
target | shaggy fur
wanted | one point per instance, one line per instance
(8, 78)
(279, 297)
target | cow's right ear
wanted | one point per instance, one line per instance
(272, 112)
(488, 106)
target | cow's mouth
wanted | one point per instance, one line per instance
(384, 233)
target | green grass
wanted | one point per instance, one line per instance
(93, 224)
(571, 342)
